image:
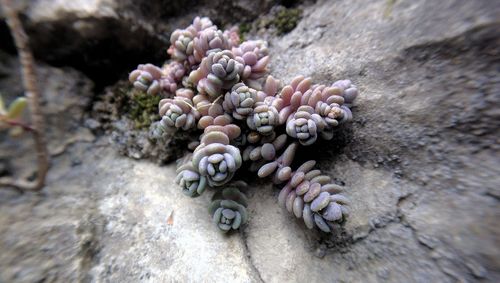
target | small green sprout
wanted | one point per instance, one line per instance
(10, 117)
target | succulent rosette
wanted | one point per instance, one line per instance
(264, 119)
(191, 182)
(219, 71)
(304, 125)
(209, 39)
(228, 209)
(233, 35)
(215, 158)
(178, 113)
(181, 41)
(255, 55)
(241, 100)
(310, 196)
(350, 92)
(147, 78)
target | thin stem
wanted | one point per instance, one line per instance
(30, 86)
(25, 127)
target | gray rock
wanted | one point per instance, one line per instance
(421, 157)
(106, 39)
(65, 97)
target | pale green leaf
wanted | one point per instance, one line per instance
(16, 108)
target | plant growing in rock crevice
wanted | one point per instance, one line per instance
(221, 87)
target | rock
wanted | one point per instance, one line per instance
(65, 96)
(421, 155)
(105, 39)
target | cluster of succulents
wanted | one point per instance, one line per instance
(246, 118)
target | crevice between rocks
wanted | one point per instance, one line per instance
(248, 254)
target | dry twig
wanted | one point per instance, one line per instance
(30, 86)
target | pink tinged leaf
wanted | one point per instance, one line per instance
(298, 207)
(332, 189)
(289, 201)
(250, 58)
(312, 174)
(232, 131)
(320, 202)
(304, 85)
(202, 166)
(295, 82)
(321, 179)
(304, 100)
(302, 188)
(322, 225)
(215, 137)
(215, 110)
(313, 192)
(231, 164)
(289, 154)
(335, 99)
(134, 75)
(180, 121)
(339, 199)
(284, 173)
(284, 114)
(268, 152)
(333, 212)
(271, 86)
(261, 64)
(295, 101)
(286, 94)
(205, 121)
(267, 169)
(153, 70)
(255, 154)
(297, 178)
(315, 97)
(308, 216)
(222, 120)
(283, 194)
(280, 142)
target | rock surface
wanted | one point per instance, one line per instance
(107, 38)
(420, 164)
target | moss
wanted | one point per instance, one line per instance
(244, 28)
(286, 20)
(139, 106)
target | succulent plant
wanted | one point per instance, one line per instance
(240, 100)
(221, 88)
(178, 112)
(255, 55)
(228, 207)
(264, 119)
(215, 158)
(219, 71)
(153, 80)
(190, 180)
(310, 196)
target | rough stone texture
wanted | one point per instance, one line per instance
(65, 99)
(420, 164)
(111, 115)
(421, 160)
(107, 38)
